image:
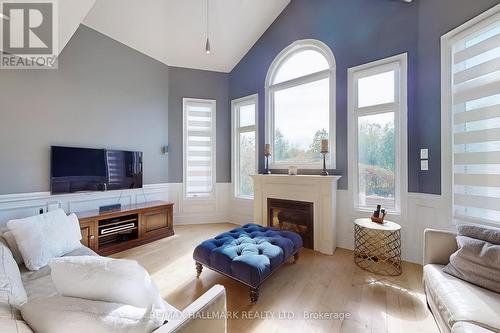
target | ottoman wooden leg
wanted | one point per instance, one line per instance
(199, 268)
(254, 294)
(296, 257)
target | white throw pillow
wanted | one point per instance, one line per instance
(76, 315)
(46, 236)
(11, 286)
(105, 279)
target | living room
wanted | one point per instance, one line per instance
(249, 166)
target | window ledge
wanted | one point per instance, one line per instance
(299, 166)
(371, 210)
(209, 198)
(245, 199)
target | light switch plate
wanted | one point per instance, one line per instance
(424, 154)
(424, 165)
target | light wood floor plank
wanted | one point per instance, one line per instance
(316, 283)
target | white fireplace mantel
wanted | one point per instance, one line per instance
(320, 190)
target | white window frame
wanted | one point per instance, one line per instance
(213, 104)
(399, 63)
(471, 27)
(270, 89)
(236, 130)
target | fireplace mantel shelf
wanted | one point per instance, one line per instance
(319, 177)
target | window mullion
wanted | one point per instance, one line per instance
(301, 80)
(246, 129)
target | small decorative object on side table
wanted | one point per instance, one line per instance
(267, 153)
(324, 151)
(379, 215)
(377, 247)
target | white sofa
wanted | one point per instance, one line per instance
(38, 285)
(457, 306)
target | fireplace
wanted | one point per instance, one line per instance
(296, 216)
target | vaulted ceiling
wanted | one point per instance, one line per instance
(174, 31)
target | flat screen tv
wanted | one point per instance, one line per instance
(83, 169)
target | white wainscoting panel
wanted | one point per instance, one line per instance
(186, 211)
(241, 211)
(423, 211)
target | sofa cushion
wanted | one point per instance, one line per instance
(11, 286)
(42, 237)
(66, 314)
(105, 279)
(14, 326)
(38, 284)
(457, 300)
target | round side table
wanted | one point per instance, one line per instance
(377, 247)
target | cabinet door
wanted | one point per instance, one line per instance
(157, 222)
(88, 234)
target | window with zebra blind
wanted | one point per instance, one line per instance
(199, 147)
(471, 109)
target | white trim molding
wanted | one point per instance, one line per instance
(398, 64)
(270, 89)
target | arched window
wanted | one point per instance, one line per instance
(300, 105)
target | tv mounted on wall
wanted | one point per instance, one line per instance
(84, 169)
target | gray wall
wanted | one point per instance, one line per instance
(104, 95)
(199, 84)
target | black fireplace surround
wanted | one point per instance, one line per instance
(291, 215)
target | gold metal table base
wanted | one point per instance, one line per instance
(378, 251)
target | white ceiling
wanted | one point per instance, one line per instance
(174, 31)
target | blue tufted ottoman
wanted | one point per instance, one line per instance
(249, 254)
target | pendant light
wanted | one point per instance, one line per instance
(207, 44)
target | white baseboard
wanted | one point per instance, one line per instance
(423, 211)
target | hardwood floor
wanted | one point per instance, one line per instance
(316, 283)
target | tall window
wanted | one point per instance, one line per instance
(199, 147)
(377, 133)
(471, 111)
(244, 111)
(300, 105)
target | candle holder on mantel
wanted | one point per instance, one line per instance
(267, 153)
(324, 151)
